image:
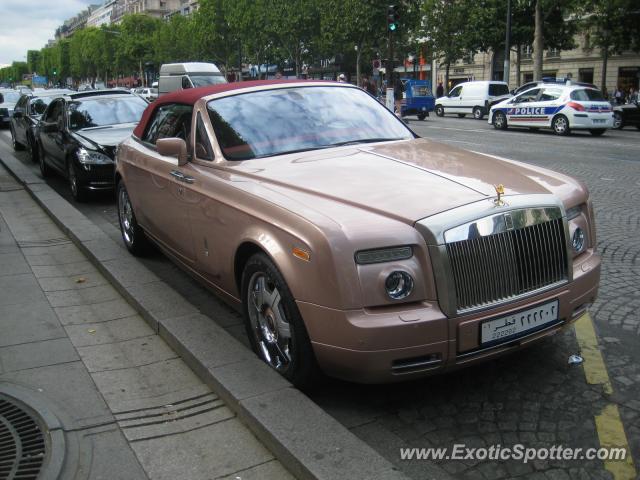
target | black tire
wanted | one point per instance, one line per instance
(462, 115)
(638, 127)
(422, 116)
(17, 146)
(45, 170)
(133, 236)
(478, 113)
(500, 121)
(596, 132)
(298, 363)
(618, 124)
(78, 192)
(439, 110)
(560, 125)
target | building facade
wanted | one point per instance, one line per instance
(584, 63)
(102, 15)
(187, 7)
(75, 23)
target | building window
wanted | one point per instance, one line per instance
(628, 77)
(468, 58)
(527, 51)
(553, 53)
(585, 75)
(527, 77)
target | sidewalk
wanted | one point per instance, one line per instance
(129, 407)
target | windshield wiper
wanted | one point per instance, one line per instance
(363, 140)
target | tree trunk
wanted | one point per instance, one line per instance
(358, 54)
(537, 43)
(518, 58)
(605, 59)
(446, 78)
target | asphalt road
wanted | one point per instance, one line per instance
(534, 397)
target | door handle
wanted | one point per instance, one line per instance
(177, 174)
(188, 179)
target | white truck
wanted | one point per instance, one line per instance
(179, 76)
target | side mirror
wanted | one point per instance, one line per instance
(173, 147)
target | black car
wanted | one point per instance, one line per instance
(626, 115)
(26, 115)
(78, 134)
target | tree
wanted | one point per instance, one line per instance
(33, 60)
(446, 28)
(135, 42)
(555, 27)
(612, 26)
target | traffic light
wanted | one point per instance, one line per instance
(54, 72)
(393, 17)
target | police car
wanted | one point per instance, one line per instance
(560, 107)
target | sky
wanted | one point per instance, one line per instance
(29, 24)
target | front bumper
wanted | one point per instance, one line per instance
(399, 343)
(95, 177)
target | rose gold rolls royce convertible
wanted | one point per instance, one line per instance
(352, 246)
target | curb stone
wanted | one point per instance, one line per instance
(309, 442)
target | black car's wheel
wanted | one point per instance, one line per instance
(478, 114)
(14, 143)
(440, 110)
(596, 132)
(77, 190)
(617, 121)
(133, 236)
(500, 121)
(638, 127)
(274, 324)
(422, 116)
(45, 170)
(560, 125)
(462, 115)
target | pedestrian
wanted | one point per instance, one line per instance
(439, 90)
(618, 95)
(605, 93)
(342, 78)
(633, 96)
(397, 95)
(278, 75)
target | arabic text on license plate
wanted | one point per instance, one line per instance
(515, 324)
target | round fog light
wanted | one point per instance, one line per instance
(399, 285)
(577, 240)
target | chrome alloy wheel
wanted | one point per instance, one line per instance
(271, 330)
(560, 125)
(617, 120)
(125, 215)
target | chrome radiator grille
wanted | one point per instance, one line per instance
(496, 267)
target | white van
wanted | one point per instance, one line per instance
(179, 76)
(475, 98)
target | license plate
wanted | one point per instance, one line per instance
(599, 121)
(516, 324)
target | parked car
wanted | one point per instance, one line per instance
(559, 107)
(8, 100)
(181, 76)
(475, 98)
(26, 116)
(149, 94)
(78, 134)
(550, 81)
(626, 115)
(350, 245)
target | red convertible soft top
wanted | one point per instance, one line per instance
(192, 95)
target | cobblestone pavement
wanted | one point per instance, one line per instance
(533, 397)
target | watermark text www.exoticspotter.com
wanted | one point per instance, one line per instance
(517, 452)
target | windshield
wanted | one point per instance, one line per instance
(101, 112)
(204, 80)
(39, 104)
(10, 97)
(274, 122)
(587, 94)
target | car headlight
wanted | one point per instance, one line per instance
(578, 240)
(399, 285)
(91, 157)
(365, 257)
